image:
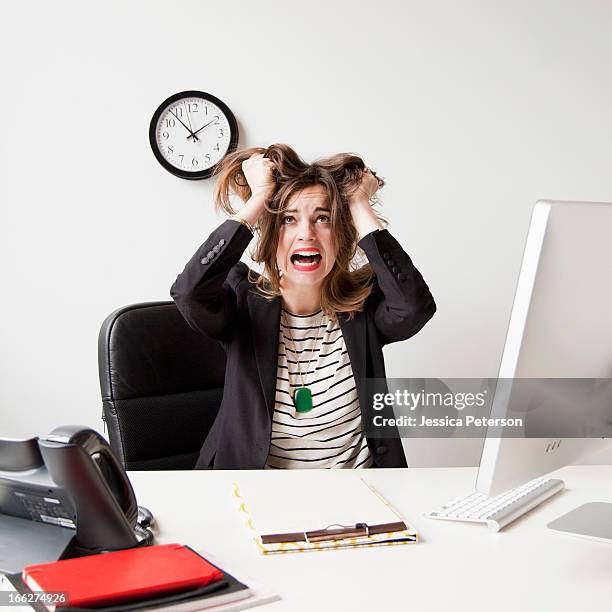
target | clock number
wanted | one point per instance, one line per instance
(205, 109)
(181, 156)
(170, 149)
(166, 135)
(170, 122)
(220, 133)
(194, 162)
(207, 158)
(216, 119)
(216, 147)
(178, 111)
(193, 107)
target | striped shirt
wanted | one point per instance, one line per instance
(331, 434)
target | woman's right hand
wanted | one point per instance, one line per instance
(257, 170)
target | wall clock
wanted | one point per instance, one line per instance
(191, 132)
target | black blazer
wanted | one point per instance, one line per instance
(216, 298)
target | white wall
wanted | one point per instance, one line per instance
(470, 110)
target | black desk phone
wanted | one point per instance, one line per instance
(63, 496)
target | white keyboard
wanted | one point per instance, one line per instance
(499, 510)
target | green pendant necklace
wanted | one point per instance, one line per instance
(302, 397)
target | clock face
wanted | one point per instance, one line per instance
(191, 132)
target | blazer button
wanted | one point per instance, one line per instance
(216, 248)
(381, 450)
(386, 255)
(222, 242)
(401, 277)
(210, 254)
(390, 263)
(204, 260)
(394, 269)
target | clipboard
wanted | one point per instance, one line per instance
(267, 510)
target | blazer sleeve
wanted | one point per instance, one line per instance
(204, 292)
(405, 303)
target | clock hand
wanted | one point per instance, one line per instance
(206, 125)
(190, 126)
(190, 132)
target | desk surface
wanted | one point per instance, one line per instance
(457, 566)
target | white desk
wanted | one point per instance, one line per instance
(457, 566)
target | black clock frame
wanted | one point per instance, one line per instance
(201, 174)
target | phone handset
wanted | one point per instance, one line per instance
(81, 462)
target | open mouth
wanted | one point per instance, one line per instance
(306, 260)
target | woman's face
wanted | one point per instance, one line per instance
(306, 246)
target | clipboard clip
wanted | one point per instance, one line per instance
(335, 531)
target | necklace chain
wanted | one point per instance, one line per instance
(311, 350)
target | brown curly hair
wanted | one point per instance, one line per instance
(346, 287)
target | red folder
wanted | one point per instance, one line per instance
(121, 576)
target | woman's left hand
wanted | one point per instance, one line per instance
(366, 189)
(364, 217)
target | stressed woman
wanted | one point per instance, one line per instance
(302, 336)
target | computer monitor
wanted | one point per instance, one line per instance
(560, 327)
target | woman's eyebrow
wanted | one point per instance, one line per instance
(317, 209)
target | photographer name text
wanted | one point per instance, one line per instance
(447, 421)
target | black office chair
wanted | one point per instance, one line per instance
(161, 386)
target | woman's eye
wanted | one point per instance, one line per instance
(287, 219)
(323, 219)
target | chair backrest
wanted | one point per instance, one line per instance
(161, 385)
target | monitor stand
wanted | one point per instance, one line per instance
(592, 521)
